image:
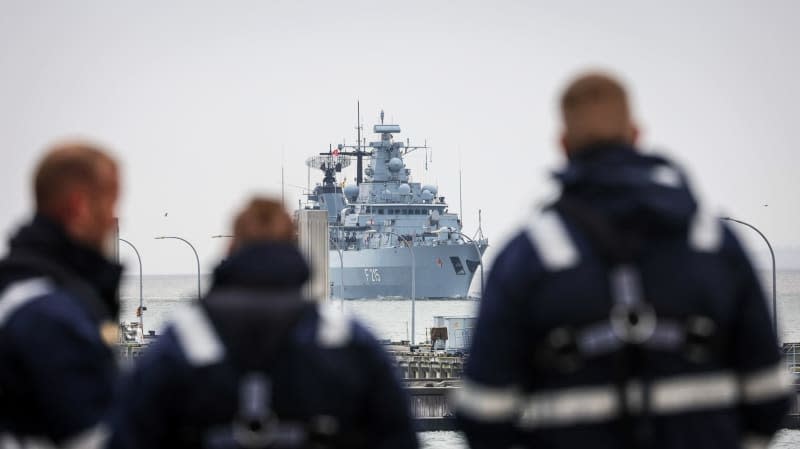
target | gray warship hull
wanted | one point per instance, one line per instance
(390, 231)
(442, 271)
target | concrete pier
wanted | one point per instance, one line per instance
(430, 408)
(791, 353)
(419, 367)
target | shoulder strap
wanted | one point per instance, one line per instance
(61, 276)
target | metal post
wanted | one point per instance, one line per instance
(195, 256)
(141, 296)
(772, 254)
(409, 245)
(341, 275)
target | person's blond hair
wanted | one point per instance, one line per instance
(262, 220)
(595, 108)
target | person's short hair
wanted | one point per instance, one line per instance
(262, 220)
(594, 107)
(67, 165)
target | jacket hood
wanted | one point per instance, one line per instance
(629, 187)
(266, 265)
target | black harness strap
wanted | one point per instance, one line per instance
(256, 332)
(632, 320)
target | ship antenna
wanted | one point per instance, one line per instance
(381, 116)
(460, 204)
(479, 233)
(359, 156)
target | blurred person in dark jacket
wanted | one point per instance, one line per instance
(256, 365)
(624, 314)
(59, 305)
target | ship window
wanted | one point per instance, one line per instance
(380, 211)
(457, 265)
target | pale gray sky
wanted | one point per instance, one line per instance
(202, 101)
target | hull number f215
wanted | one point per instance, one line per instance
(373, 275)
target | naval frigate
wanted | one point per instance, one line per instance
(385, 227)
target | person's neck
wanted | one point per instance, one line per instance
(596, 148)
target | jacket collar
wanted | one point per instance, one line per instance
(629, 185)
(265, 266)
(46, 239)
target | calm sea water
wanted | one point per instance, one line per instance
(391, 319)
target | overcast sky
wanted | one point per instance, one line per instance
(204, 101)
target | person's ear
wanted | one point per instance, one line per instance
(75, 206)
(634, 135)
(564, 143)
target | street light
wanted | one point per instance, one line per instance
(772, 254)
(141, 296)
(341, 273)
(474, 243)
(413, 278)
(161, 237)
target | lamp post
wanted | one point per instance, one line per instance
(141, 296)
(413, 279)
(161, 237)
(772, 254)
(341, 273)
(474, 243)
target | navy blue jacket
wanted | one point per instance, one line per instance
(56, 371)
(712, 380)
(320, 364)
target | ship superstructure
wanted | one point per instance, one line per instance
(374, 222)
